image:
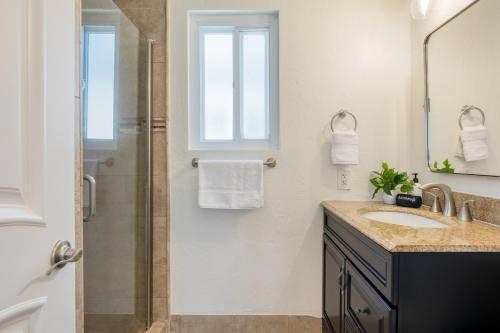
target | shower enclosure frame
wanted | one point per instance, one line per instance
(149, 188)
(79, 284)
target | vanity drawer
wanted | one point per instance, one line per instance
(377, 264)
(365, 307)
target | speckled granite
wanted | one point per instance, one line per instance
(484, 208)
(459, 237)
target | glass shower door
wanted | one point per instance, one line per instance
(115, 105)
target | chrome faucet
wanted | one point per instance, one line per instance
(449, 203)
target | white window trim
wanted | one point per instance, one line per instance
(241, 21)
(104, 21)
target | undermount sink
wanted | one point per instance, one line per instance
(404, 219)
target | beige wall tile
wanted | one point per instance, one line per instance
(160, 258)
(304, 324)
(153, 4)
(149, 21)
(244, 324)
(160, 154)
(159, 89)
(160, 309)
(159, 327)
(272, 324)
(111, 323)
(160, 196)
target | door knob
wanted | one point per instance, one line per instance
(63, 253)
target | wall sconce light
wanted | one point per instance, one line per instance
(420, 8)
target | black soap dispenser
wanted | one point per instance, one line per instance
(414, 198)
(416, 190)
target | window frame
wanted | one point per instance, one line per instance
(110, 24)
(237, 22)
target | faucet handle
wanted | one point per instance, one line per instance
(465, 214)
(436, 205)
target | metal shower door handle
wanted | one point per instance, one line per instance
(91, 197)
(62, 254)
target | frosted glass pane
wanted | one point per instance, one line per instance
(100, 85)
(218, 86)
(255, 85)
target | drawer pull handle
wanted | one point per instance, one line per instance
(359, 311)
(341, 280)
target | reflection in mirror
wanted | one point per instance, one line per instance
(463, 85)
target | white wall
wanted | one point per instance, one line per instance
(334, 54)
(440, 12)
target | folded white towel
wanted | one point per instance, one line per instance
(475, 143)
(231, 184)
(460, 148)
(345, 149)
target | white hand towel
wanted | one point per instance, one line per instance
(231, 184)
(460, 148)
(475, 143)
(345, 149)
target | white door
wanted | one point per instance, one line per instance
(37, 163)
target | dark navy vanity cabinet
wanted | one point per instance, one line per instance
(369, 289)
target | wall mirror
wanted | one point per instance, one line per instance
(462, 67)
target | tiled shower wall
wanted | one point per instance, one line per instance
(150, 18)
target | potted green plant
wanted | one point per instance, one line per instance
(388, 180)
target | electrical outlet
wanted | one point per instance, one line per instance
(343, 178)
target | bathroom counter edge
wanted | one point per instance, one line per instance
(474, 236)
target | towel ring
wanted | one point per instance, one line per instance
(466, 109)
(342, 114)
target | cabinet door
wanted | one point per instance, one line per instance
(349, 326)
(364, 306)
(333, 276)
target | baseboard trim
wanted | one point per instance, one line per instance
(244, 324)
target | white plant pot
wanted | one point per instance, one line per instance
(389, 199)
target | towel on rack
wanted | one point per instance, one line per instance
(345, 148)
(230, 184)
(474, 142)
(459, 152)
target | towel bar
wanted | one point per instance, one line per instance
(270, 162)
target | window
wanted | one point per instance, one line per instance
(99, 86)
(233, 81)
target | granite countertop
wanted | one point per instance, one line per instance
(474, 236)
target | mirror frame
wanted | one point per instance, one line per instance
(427, 104)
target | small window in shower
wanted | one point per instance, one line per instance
(99, 86)
(233, 88)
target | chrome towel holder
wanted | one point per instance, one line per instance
(270, 162)
(342, 114)
(467, 109)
